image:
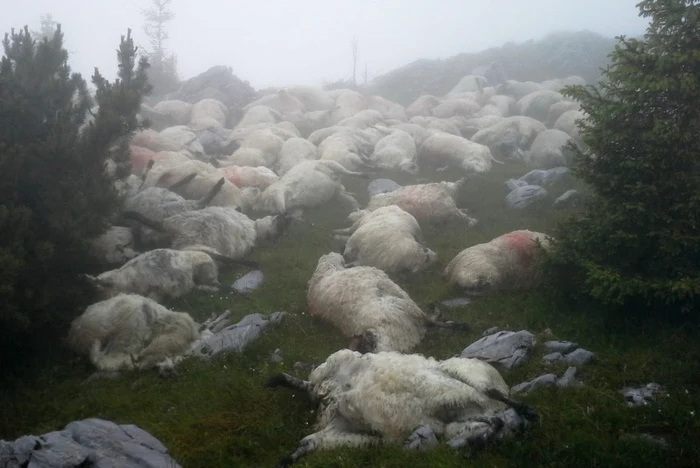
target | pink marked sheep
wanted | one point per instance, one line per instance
(503, 263)
(432, 203)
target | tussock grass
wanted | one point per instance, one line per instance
(218, 414)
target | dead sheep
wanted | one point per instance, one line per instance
(455, 152)
(208, 112)
(451, 107)
(567, 122)
(154, 141)
(433, 123)
(348, 102)
(294, 151)
(422, 106)
(184, 136)
(372, 399)
(115, 246)
(396, 151)
(362, 119)
(517, 89)
(349, 149)
(387, 238)
(163, 274)
(307, 185)
(258, 115)
(259, 177)
(215, 230)
(558, 108)
(549, 150)
(282, 101)
(537, 104)
(503, 263)
(430, 203)
(510, 137)
(179, 112)
(367, 306)
(129, 331)
(388, 109)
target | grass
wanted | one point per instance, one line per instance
(218, 415)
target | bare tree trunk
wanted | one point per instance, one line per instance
(354, 61)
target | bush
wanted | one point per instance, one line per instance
(54, 192)
(638, 242)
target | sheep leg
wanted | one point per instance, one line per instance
(343, 196)
(329, 439)
(522, 409)
(286, 380)
(434, 321)
(480, 439)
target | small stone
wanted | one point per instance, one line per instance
(546, 380)
(249, 282)
(552, 358)
(422, 439)
(560, 346)
(579, 357)
(569, 378)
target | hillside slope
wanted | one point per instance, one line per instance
(557, 55)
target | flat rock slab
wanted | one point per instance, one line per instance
(90, 442)
(546, 177)
(249, 282)
(507, 348)
(235, 338)
(378, 186)
(525, 196)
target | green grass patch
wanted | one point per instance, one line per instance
(218, 414)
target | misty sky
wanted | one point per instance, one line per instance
(283, 42)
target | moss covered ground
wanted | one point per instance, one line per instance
(218, 414)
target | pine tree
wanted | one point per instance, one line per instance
(54, 192)
(163, 70)
(637, 244)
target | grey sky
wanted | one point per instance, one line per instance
(282, 42)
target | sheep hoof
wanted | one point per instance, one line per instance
(285, 462)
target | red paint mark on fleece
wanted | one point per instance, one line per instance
(523, 245)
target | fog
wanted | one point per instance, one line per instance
(280, 42)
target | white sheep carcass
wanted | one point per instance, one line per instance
(114, 246)
(455, 152)
(537, 104)
(162, 274)
(129, 331)
(294, 151)
(503, 263)
(215, 230)
(422, 106)
(432, 203)
(396, 151)
(371, 399)
(259, 177)
(307, 185)
(549, 150)
(208, 112)
(387, 238)
(367, 306)
(510, 137)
